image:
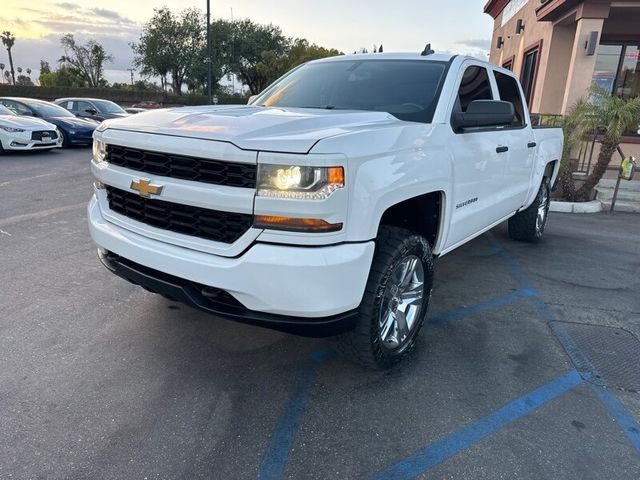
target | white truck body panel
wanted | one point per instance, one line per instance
(386, 161)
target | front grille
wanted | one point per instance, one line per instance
(44, 135)
(225, 227)
(185, 168)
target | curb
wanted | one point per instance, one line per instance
(593, 206)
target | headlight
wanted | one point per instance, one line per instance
(299, 182)
(99, 151)
(11, 129)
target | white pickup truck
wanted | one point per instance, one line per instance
(318, 208)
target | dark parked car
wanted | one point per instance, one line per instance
(75, 131)
(92, 108)
(135, 110)
(147, 104)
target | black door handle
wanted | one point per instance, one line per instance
(531, 144)
(502, 149)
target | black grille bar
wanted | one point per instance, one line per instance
(186, 168)
(225, 227)
(44, 135)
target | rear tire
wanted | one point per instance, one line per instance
(528, 225)
(395, 301)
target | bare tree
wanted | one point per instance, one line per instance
(88, 59)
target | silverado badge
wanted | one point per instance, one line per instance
(145, 188)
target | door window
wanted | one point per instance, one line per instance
(82, 107)
(474, 86)
(509, 92)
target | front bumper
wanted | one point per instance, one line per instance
(311, 283)
(25, 144)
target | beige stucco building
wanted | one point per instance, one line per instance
(559, 48)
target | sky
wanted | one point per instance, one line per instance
(457, 26)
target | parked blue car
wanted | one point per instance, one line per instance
(74, 131)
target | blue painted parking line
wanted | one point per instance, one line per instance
(283, 436)
(622, 417)
(437, 452)
(481, 307)
(616, 409)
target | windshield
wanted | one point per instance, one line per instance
(5, 111)
(105, 106)
(407, 89)
(48, 110)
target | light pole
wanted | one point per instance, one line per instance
(131, 70)
(2, 70)
(209, 99)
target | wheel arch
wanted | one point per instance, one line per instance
(423, 214)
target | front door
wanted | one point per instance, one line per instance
(479, 164)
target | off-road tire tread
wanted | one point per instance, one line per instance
(357, 344)
(522, 226)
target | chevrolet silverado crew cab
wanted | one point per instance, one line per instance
(318, 209)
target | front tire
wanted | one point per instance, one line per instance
(395, 301)
(528, 225)
(65, 140)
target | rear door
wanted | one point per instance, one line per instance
(519, 139)
(479, 162)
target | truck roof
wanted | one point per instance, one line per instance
(443, 57)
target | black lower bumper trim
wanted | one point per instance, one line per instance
(221, 303)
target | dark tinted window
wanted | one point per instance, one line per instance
(509, 92)
(105, 106)
(474, 86)
(407, 89)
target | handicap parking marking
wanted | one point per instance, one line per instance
(480, 307)
(277, 454)
(614, 406)
(437, 452)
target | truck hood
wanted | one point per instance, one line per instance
(287, 130)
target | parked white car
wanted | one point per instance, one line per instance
(19, 132)
(320, 207)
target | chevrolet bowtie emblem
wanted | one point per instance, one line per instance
(145, 188)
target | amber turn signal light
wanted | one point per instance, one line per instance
(295, 224)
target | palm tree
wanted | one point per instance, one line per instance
(612, 116)
(8, 39)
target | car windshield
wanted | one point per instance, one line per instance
(5, 111)
(407, 89)
(49, 110)
(105, 106)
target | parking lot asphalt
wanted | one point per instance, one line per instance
(527, 369)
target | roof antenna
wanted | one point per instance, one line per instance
(427, 50)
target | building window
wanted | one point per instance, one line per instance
(530, 71)
(508, 64)
(617, 70)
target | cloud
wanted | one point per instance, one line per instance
(111, 15)
(481, 43)
(69, 6)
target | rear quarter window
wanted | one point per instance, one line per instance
(509, 92)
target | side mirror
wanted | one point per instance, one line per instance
(91, 111)
(26, 113)
(251, 99)
(484, 113)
